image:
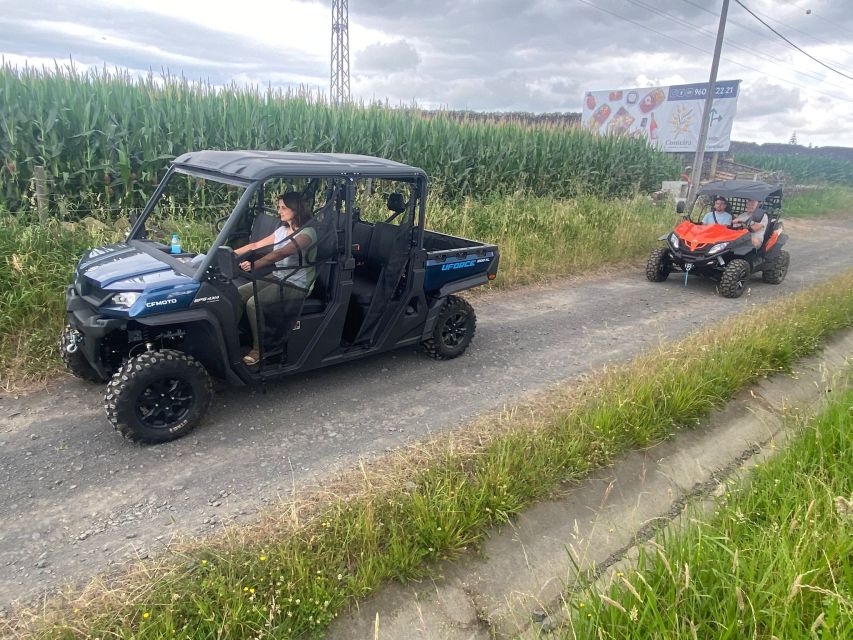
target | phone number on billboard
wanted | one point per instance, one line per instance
(700, 91)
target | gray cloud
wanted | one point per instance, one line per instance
(763, 98)
(387, 58)
(132, 38)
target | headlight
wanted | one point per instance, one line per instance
(717, 248)
(125, 299)
(673, 240)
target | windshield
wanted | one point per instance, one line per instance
(193, 208)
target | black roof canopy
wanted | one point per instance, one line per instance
(747, 189)
(260, 165)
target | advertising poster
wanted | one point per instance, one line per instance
(669, 117)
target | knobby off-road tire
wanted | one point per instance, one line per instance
(733, 281)
(76, 362)
(453, 331)
(658, 265)
(158, 396)
(776, 267)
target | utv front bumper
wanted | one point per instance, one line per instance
(90, 328)
(702, 260)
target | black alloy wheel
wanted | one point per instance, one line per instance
(734, 278)
(776, 268)
(454, 330)
(164, 403)
(158, 396)
(658, 266)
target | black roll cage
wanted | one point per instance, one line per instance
(253, 186)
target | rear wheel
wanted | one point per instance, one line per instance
(658, 265)
(453, 331)
(158, 396)
(734, 278)
(776, 267)
(72, 356)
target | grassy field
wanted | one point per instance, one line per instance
(540, 238)
(775, 561)
(819, 202)
(290, 575)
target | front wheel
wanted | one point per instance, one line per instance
(158, 396)
(776, 267)
(453, 331)
(658, 265)
(733, 280)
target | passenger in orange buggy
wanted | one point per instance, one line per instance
(719, 214)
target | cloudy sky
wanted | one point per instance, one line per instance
(494, 55)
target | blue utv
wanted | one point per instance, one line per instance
(159, 314)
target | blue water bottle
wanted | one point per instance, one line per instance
(176, 243)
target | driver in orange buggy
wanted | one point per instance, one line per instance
(754, 221)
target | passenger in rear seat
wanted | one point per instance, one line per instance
(294, 253)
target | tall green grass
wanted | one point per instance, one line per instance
(291, 576)
(819, 201)
(804, 169)
(105, 140)
(775, 562)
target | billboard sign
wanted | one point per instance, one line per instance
(669, 117)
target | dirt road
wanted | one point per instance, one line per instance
(77, 498)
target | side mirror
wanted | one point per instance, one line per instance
(226, 262)
(679, 207)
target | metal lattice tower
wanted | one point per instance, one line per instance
(339, 84)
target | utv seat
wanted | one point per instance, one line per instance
(323, 288)
(382, 243)
(264, 224)
(376, 244)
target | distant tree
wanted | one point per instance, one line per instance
(793, 139)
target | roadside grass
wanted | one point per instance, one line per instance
(293, 572)
(774, 561)
(822, 201)
(539, 238)
(542, 238)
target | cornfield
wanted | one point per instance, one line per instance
(803, 169)
(106, 138)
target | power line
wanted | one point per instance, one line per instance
(830, 22)
(752, 52)
(734, 62)
(808, 35)
(805, 53)
(763, 34)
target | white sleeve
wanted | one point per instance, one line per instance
(280, 235)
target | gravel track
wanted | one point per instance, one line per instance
(78, 499)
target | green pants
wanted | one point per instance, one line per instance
(270, 293)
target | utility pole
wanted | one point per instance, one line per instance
(339, 76)
(699, 158)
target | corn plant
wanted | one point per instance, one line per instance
(105, 138)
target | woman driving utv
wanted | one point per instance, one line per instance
(293, 253)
